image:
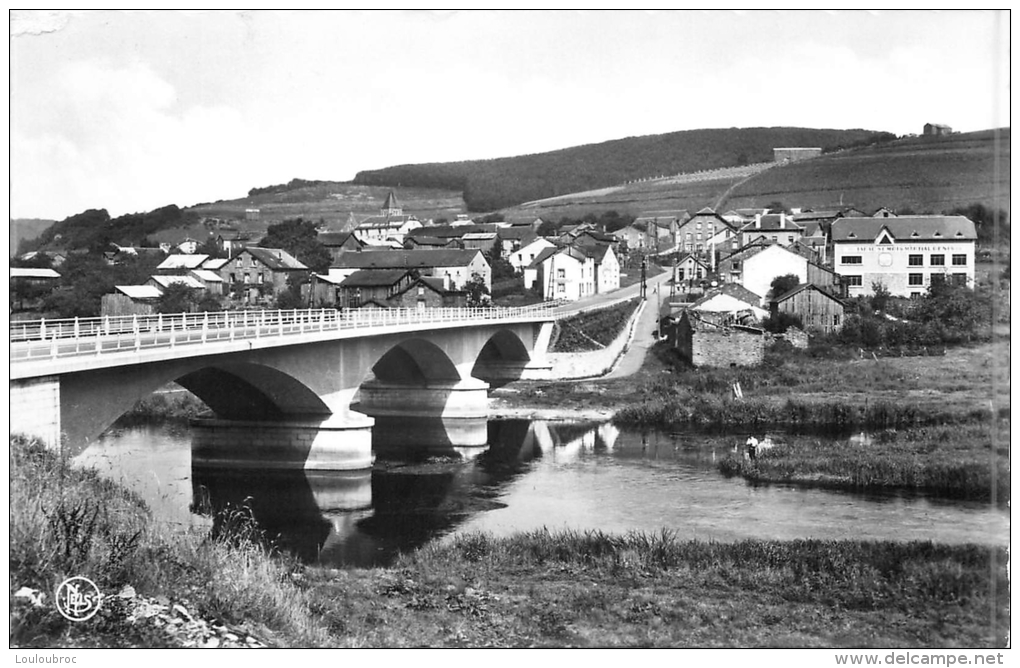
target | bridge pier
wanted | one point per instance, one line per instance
(35, 409)
(468, 398)
(333, 443)
(417, 437)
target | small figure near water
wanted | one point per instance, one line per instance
(752, 448)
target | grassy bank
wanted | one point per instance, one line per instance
(956, 461)
(533, 589)
(177, 405)
(597, 590)
(67, 521)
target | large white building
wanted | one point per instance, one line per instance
(905, 253)
(574, 272)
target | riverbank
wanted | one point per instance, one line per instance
(531, 589)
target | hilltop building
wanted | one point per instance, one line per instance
(905, 254)
(937, 130)
(794, 154)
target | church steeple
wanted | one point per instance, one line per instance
(391, 207)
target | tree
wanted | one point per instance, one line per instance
(783, 284)
(300, 238)
(211, 248)
(781, 322)
(548, 228)
(880, 296)
(501, 267)
(177, 298)
(478, 294)
(777, 207)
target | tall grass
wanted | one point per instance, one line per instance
(67, 521)
(954, 461)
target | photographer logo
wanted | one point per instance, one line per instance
(78, 599)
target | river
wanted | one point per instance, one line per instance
(532, 475)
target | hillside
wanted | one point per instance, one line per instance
(331, 201)
(23, 229)
(504, 182)
(926, 174)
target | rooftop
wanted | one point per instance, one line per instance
(905, 228)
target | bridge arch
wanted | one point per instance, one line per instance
(415, 362)
(247, 391)
(502, 359)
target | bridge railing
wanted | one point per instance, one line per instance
(38, 339)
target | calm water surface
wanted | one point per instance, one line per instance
(533, 475)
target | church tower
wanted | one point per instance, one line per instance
(391, 207)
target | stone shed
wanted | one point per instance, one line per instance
(704, 342)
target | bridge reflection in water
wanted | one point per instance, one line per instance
(366, 518)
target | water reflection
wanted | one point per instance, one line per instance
(528, 475)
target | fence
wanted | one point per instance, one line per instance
(37, 339)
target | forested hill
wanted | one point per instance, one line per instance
(494, 184)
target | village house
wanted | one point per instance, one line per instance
(211, 280)
(130, 300)
(757, 265)
(181, 264)
(254, 268)
(514, 238)
(455, 266)
(662, 227)
(690, 269)
(575, 272)
(905, 253)
(703, 343)
(338, 242)
(232, 241)
(733, 300)
(631, 237)
(376, 285)
(162, 282)
(818, 310)
(483, 241)
(775, 227)
(522, 258)
(694, 235)
(427, 292)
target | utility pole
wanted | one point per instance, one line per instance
(644, 278)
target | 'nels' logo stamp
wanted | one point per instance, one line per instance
(78, 599)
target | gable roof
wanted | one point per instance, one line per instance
(801, 288)
(167, 281)
(215, 263)
(734, 290)
(410, 259)
(370, 278)
(391, 201)
(905, 228)
(431, 282)
(206, 275)
(182, 262)
(139, 291)
(30, 272)
(543, 256)
(275, 258)
(385, 222)
(333, 239)
(772, 222)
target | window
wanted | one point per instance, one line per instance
(915, 295)
(835, 320)
(233, 278)
(938, 260)
(959, 279)
(915, 260)
(915, 279)
(789, 239)
(246, 279)
(851, 259)
(561, 273)
(959, 260)
(680, 274)
(775, 237)
(238, 262)
(938, 278)
(421, 290)
(262, 278)
(854, 281)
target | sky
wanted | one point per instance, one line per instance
(133, 110)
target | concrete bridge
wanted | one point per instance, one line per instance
(289, 389)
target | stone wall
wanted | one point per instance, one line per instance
(35, 409)
(597, 362)
(727, 347)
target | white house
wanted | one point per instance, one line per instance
(575, 272)
(903, 253)
(757, 266)
(520, 259)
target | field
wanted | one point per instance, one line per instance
(926, 174)
(334, 202)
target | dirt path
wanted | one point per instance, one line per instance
(647, 323)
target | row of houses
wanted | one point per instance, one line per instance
(842, 257)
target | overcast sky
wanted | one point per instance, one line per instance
(132, 110)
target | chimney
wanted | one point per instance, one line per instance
(782, 220)
(757, 221)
